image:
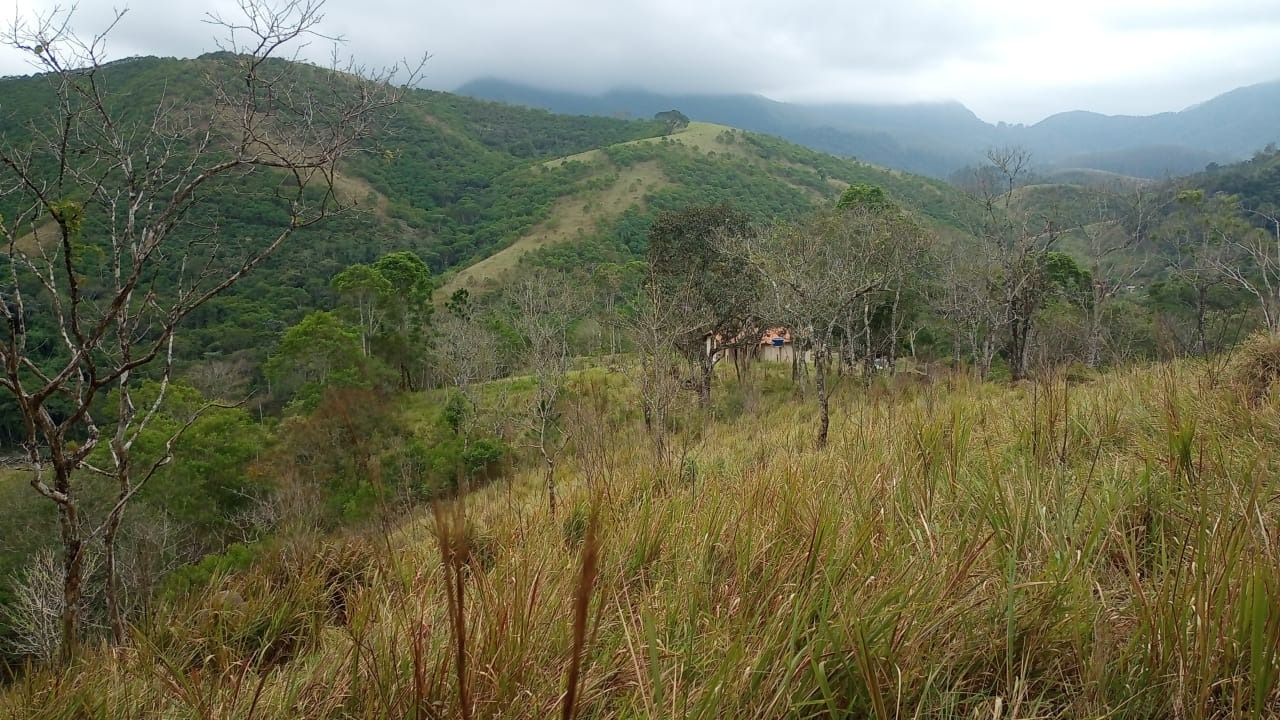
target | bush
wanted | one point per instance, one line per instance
(484, 457)
(1258, 367)
(196, 577)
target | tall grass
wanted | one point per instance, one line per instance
(960, 550)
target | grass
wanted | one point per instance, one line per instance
(961, 550)
(699, 136)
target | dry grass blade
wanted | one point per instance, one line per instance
(451, 534)
(581, 603)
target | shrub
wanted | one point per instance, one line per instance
(196, 577)
(1258, 367)
(484, 457)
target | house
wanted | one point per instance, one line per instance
(773, 345)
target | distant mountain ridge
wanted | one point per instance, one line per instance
(940, 138)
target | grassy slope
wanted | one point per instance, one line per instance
(961, 550)
(570, 217)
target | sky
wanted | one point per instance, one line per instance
(1007, 60)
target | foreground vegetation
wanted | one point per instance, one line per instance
(1051, 549)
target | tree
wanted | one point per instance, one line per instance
(689, 259)
(969, 301)
(1253, 262)
(99, 246)
(390, 301)
(815, 274)
(876, 325)
(863, 195)
(674, 119)
(468, 351)
(408, 311)
(1016, 244)
(365, 292)
(546, 309)
(1119, 222)
(655, 321)
(1196, 244)
(319, 352)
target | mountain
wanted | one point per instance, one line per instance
(927, 138)
(939, 138)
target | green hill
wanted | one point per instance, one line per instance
(462, 183)
(702, 164)
(449, 179)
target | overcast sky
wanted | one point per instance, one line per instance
(1011, 60)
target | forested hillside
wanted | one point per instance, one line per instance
(455, 180)
(449, 179)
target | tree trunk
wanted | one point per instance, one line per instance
(868, 357)
(551, 481)
(820, 378)
(1201, 310)
(1093, 349)
(111, 534)
(114, 611)
(707, 368)
(986, 353)
(72, 570)
(1019, 332)
(893, 331)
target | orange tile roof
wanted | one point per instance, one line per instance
(767, 337)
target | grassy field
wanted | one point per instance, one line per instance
(1104, 549)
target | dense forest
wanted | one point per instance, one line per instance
(263, 433)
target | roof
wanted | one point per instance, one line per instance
(767, 337)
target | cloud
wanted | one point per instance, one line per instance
(1007, 59)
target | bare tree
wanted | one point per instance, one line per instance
(1119, 222)
(101, 248)
(35, 612)
(1254, 262)
(969, 302)
(655, 323)
(1017, 243)
(814, 274)
(1197, 242)
(873, 330)
(467, 354)
(547, 308)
